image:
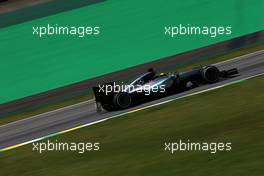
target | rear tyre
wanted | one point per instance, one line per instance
(122, 100)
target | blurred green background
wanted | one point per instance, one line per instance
(132, 33)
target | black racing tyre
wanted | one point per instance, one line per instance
(211, 74)
(122, 100)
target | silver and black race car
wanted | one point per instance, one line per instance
(150, 86)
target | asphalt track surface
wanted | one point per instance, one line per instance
(84, 113)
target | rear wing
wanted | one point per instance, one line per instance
(101, 95)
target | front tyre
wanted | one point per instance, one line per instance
(211, 74)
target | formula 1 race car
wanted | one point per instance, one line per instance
(150, 86)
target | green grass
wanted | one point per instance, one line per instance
(133, 144)
(63, 103)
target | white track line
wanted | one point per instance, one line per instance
(239, 57)
(50, 112)
(125, 113)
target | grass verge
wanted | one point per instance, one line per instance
(134, 144)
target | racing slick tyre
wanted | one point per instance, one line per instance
(122, 100)
(211, 74)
